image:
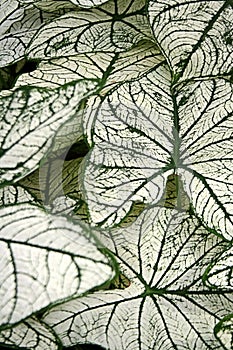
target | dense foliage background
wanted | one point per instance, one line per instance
(116, 181)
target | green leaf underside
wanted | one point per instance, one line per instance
(54, 179)
(195, 36)
(30, 334)
(44, 259)
(114, 26)
(30, 119)
(145, 130)
(164, 254)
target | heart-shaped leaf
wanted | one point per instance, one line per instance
(111, 68)
(195, 36)
(163, 254)
(144, 131)
(114, 27)
(30, 120)
(44, 259)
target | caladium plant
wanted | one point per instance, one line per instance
(116, 174)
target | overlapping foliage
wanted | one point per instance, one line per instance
(116, 174)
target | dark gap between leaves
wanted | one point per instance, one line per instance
(77, 150)
(9, 74)
(85, 347)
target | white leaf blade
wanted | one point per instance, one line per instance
(31, 334)
(14, 47)
(60, 71)
(195, 36)
(88, 3)
(28, 134)
(121, 67)
(206, 150)
(10, 11)
(49, 5)
(52, 5)
(45, 259)
(191, 133)
(132, 147)
(166, 305)
(98, 334)
(92, 30)
(19, 26)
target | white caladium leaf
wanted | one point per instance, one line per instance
(60, 71)
(30, 334)
(206, 151)
(44, 259)
(30, 120)
(111, 68)
(19, 25)
(144, 131)
(165, 304)
(113, 27)
(220, 272)
(195, 36)
(132, 147)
